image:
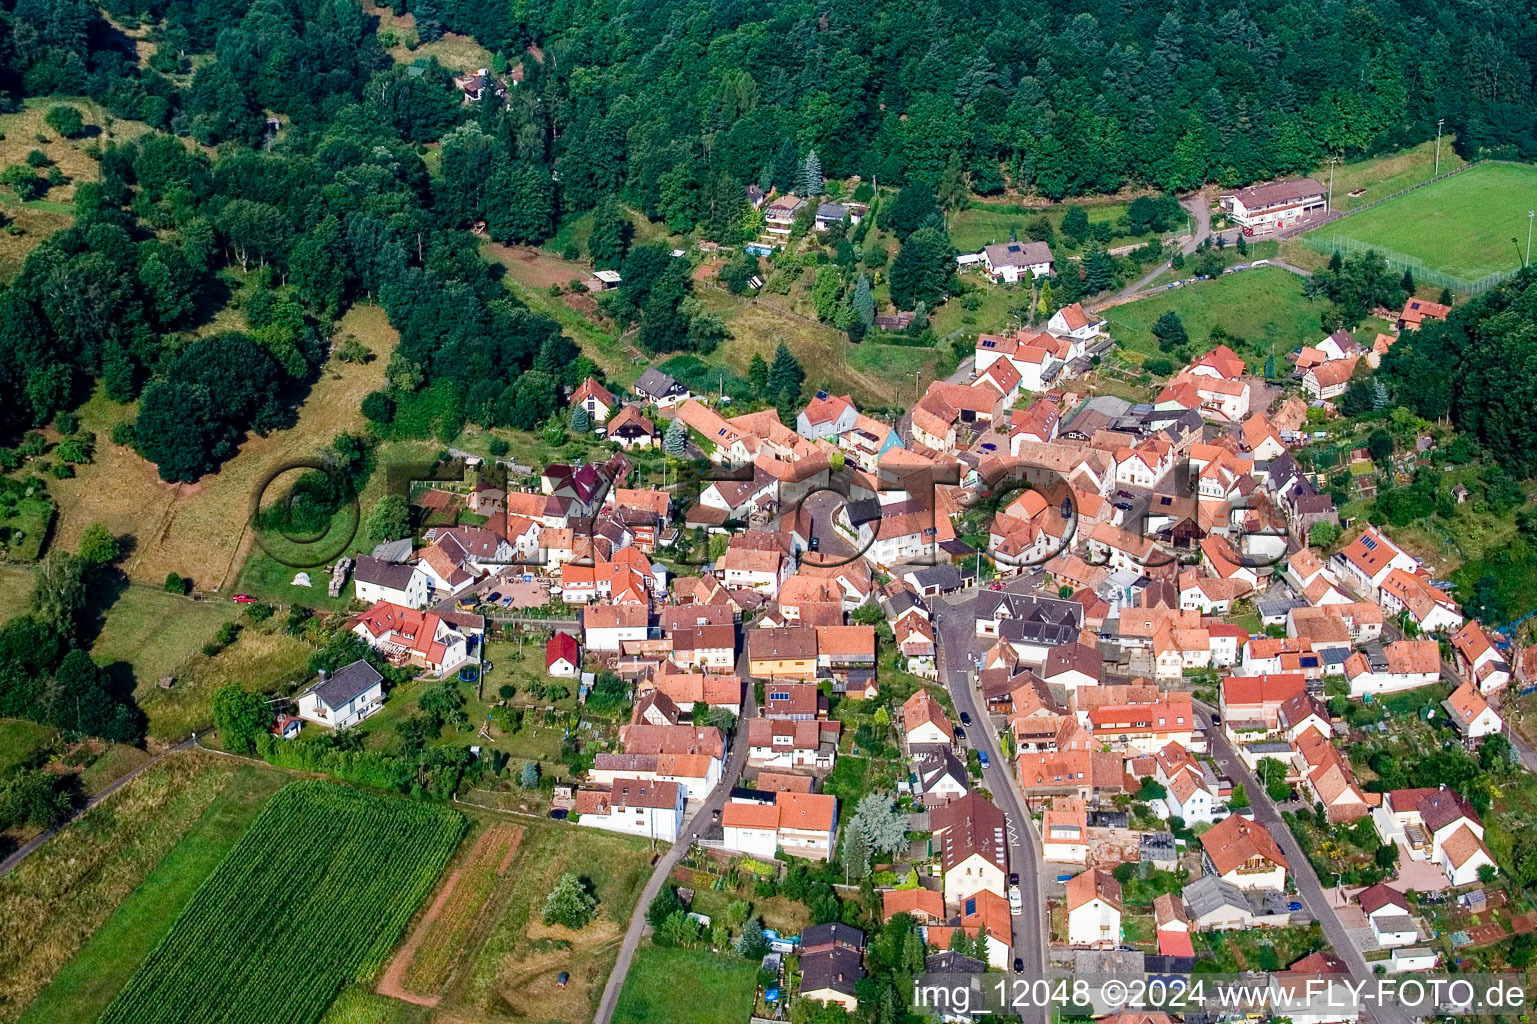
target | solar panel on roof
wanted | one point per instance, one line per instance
(1368, 543)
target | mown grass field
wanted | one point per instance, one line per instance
(1461, 225)
(984, 223)
(25, 131)
(58, 897)
(720, 989)
(313, 895)
(87, 983)
(1264, 307)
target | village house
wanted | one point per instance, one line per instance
(1478, 660)
(435, 642)
(1252, 704)
(974, 850)
(690, 755)
(1073, 322)
(660, 389)
(984, 913)
(1417, 311)
(1431, 608)
(638, 807)
(1328, 381)
(1065, 832)
(1244, 853)
(793, 702)
(800, 824)
(1435, 825)
(375, 580)
(826, 416)
(1093, 910)
(631, 429)
(1365, 562)
(1008, 262)
(780, 212)
(831, 962)
(925, 722)
(1401, 665)
(1387, 912)
(1471, 714)
(343, 698)
(562, 656)
(598, 400)
(789, 652)
(926, 906)
(607, 627)
(776, 743)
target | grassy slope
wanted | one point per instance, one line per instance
(1265, 307)
(1461, 225)
(1377, 177)
(18, 739)
(199, 529)
(87, 983)
(61, 894)
(720, 989)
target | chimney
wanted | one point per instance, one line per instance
(323, 679)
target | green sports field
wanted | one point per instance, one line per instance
(1462, 225)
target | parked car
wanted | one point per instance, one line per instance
(244, 599)
(982, 757)
(965, 718)
(1294, 906)
(559, 814)
(1013, 877)
(1019, 965)
(960, 734)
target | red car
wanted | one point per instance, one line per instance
(244, 599)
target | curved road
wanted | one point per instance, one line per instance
(697, 825)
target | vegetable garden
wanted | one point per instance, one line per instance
(315, 894)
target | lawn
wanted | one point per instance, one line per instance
(512, 973)
(19, 739)
(57, 898)
(1263, 307)
(984, 223)
(720, 989)
(1462, 225)
(365, 862)
(87, 983)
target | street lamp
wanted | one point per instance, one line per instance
(1529, 215)
(1439, 123)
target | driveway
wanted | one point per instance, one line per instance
(698, 824)
(955, 626)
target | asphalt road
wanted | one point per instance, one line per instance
(956, 633)
(697, 825)
(1309, 890)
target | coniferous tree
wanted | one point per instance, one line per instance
(811, 182)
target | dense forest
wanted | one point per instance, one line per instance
(670, 107)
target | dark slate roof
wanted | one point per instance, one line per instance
(837, 969)
(379, 572)
(346, 683)
(951, 962)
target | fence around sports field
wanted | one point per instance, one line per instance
(1402, 261)
(1422, 274)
